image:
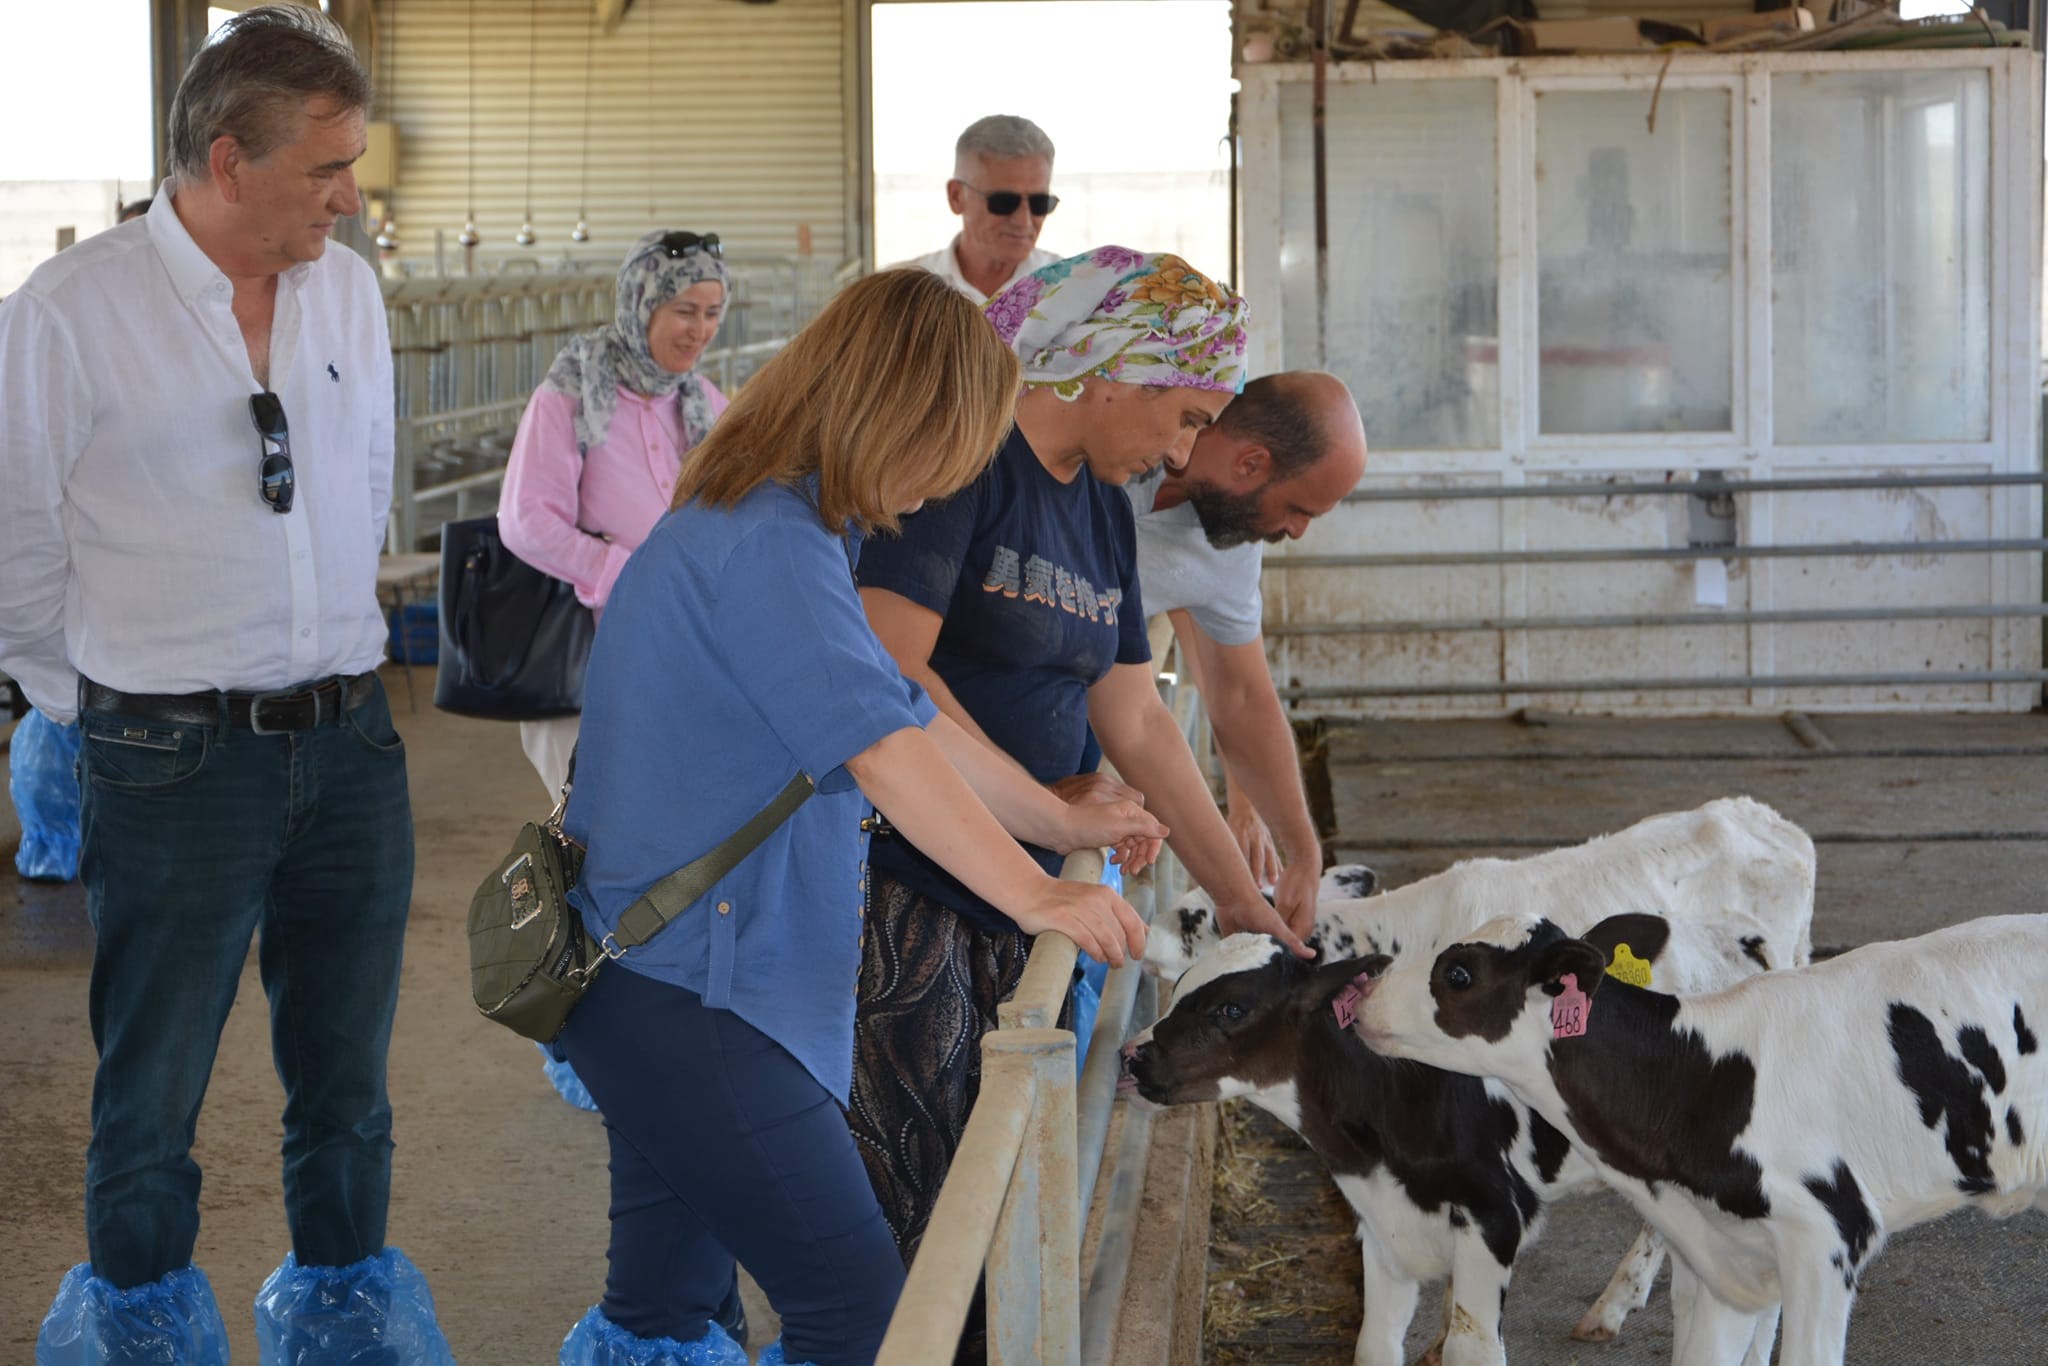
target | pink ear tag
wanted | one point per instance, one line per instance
(1570, 1011)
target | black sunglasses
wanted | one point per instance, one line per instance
(681, 244)
(274, 476)
(1003, 203)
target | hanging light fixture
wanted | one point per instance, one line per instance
(387, 229)
(526, 237)
(469, 236)
(581, 232)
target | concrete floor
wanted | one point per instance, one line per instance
(1919, 822)
(475, 1120)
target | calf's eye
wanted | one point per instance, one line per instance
(1230, 1010)
(1458, 977)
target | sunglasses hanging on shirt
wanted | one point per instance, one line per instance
(274, 477)
(1003, 203)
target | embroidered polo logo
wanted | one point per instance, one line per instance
(333, 373)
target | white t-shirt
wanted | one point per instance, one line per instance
(1178, 568)
(946, 262)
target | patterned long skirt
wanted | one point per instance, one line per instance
(929, 986)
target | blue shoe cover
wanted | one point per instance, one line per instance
(376, 1312)
(597, 1341)
(771, 1355)
(173, 1320)
(567, 1084)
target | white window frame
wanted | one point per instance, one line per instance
(2015, 251)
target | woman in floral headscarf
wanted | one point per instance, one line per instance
(597, 455)
(1016, 605)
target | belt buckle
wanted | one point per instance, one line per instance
(256, 705)
(256, 726)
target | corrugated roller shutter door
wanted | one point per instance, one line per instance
(745, 122)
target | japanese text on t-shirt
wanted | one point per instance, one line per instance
(1040, 580)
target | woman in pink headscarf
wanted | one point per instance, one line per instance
(1016, 605)
(595, 461)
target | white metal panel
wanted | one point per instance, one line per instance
(1927, 514)
(705, 114)
(2010, 444)
(1400, 594)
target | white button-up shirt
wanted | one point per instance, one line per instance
(946, 262)
(135, 547)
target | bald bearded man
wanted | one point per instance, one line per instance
(1283, 453)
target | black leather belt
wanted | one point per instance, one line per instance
(258, 711)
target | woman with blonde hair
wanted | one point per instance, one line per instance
(734, 655)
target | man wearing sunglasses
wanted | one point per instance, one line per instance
(196, 432)
(1002, 190)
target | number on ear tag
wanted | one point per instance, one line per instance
(1628, 968)
(1570, 1011)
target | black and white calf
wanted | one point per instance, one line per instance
(1775, 1132)
(1448, 1175)
(1733, 853)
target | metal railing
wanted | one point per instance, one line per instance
(1015, 1201)
(468, 351)
(1764, 616)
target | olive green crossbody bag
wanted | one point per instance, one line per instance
(531, 960)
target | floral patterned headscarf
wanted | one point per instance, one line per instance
(1130, 316)
(592, 366)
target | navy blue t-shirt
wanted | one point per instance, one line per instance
(1038, 583)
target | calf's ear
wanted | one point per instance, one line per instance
(1645, 935)
(1164, 956)
(1345, 881)
(1566, 957)
(1331, 978)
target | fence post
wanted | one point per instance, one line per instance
(926, 1325)
(1034, 1261)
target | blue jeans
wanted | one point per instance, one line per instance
(723, 1146)
(195, 838)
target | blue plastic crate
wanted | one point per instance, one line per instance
(416, 637)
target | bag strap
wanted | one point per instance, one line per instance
(674, 894)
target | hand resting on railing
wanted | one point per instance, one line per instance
(911, 778)
(1131, 853)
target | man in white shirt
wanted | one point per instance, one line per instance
(1282, 454)
(1002, 190)
(196, 426)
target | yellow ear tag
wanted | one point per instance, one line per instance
(1628, 968)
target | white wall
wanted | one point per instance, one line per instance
(31, 212)
(1889, 329)
(1135, 95)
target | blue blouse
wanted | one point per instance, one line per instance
(734, 652)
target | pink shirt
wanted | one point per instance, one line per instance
(556, 504)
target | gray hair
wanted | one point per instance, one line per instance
(1004, 136)
(253, 78)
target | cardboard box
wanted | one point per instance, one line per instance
(1796, 19)
(1616, 34)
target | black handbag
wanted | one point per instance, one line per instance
(514, 641)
